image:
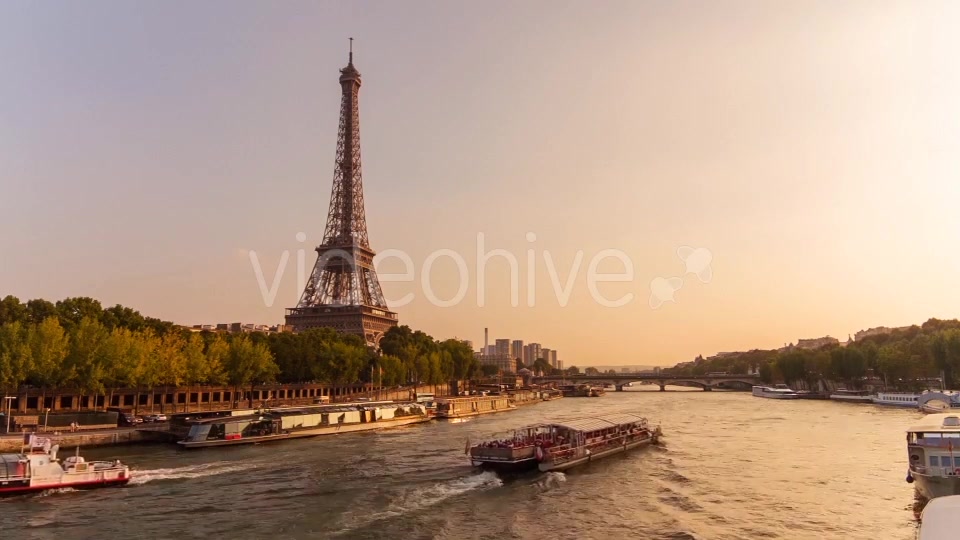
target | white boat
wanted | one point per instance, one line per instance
(934, 402)
(939, 519)
(852, 396)
(933, 450)
(897, 399)
(38, 469)
(780, 391)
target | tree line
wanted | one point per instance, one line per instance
(76, 344)
(906, 358)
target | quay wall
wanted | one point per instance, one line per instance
(203, 398)
(72, 440)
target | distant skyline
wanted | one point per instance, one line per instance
(809, 148)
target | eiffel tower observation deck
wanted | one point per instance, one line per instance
(343, 291)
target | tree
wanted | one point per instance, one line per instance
(73, 310)
(11, 310)
(249, 364)
(591, 371)
(14, 357)
(85, 360)
(39, 310)
(573, 370)
(766, 373)
(48, 345)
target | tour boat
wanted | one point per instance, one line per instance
(563, 445)
(938, 521)
(780, 391)
(461, 407)
(292, 423)
(935, 402)
(37, 469)
(852, 396)
(896, 399)
(933, 447)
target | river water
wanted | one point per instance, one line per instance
(731, 466)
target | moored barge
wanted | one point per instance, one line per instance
(561, 446)
(461, 407)
(293, 423)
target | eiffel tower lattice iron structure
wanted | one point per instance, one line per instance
(343, 291)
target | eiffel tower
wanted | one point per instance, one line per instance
(343, 291)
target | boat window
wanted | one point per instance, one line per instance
(935, 461)
(932, 435)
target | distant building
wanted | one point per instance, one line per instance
(545, 354)
(491, 350)
(817, 342)
(878, 331)
(239, 328)
(516, 349)
(502, 347)
(504, 363)
(534, 352)
(553, 358)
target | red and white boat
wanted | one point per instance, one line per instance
(37, 469)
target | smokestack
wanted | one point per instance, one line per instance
(486, 339)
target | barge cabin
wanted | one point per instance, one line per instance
(461, 407)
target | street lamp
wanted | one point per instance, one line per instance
(45, 417)
(9, 400)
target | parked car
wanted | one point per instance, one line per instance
(151, 418)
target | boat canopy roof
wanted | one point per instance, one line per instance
(600, 422)
(938, 521)
(938, 422)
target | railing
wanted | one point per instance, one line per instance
(936, 471)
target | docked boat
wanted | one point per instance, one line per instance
(462, 407)
(934, 402)
(780, 391)
(37, 469)
(896, 399)
(938, 521)
(933, 450)
(292, 423)
(852, 396)
(563, 445)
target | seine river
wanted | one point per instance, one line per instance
(731, 466)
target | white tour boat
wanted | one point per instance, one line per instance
(852, 396)
(780, 391)
(897, 399)
(939, 519)
(934, 402)
(37, 469)
(933, 450)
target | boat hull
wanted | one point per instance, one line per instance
(930, 487)
(310, 432)
(549, 466)
(852, 399)
(468, 414)
(24, 488)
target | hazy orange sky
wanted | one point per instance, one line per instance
(810, 147)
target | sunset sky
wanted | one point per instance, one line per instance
(812, 148)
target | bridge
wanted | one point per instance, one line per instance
(706, 382)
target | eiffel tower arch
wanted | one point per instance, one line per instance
(343, 291)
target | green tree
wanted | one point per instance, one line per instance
(39, 310)
(86, 361)
(249, 364)
(48, 345)
(11, 310)
(15, 357)
(573, 370)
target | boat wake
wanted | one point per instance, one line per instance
(192, 471)
(58, 491)
(551, 480)
(425, 497)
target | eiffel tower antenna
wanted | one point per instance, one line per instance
(343, 291)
